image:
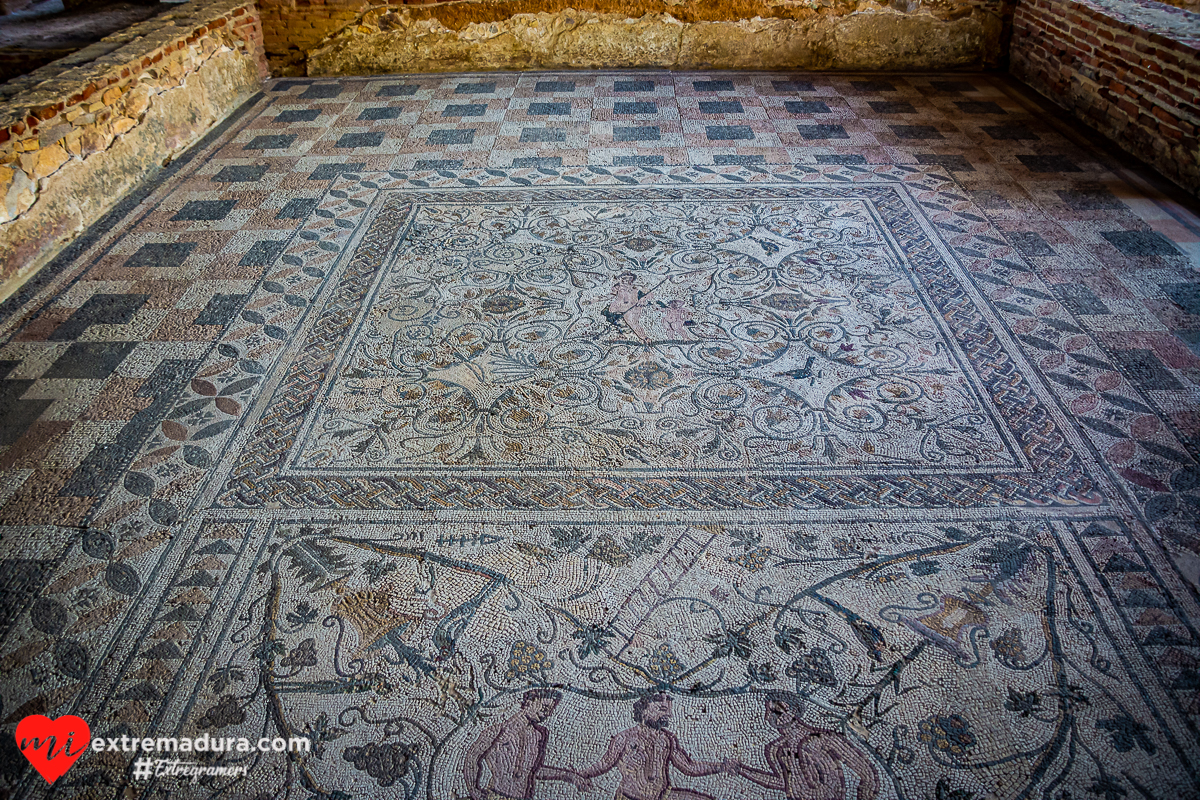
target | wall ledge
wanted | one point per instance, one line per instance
(321, 37)
(1163, 24)
(78, 134)
(1130, 69)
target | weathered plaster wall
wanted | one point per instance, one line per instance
(78, 134)
(332, 37)
(1130, 70)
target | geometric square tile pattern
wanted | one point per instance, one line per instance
(617, 434)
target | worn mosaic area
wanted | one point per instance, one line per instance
(835, 475)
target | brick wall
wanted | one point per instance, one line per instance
(1139, 87)
(79, 133)
(292, 27)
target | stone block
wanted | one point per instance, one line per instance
(137, 101)
(19, 192)
(53, 134)
(72, 143)
(122, 125)
(49, 159)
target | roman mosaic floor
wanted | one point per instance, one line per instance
(635, 435)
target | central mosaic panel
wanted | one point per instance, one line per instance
(641, 348)
(664, 335)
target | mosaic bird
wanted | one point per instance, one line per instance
(802, 372)
(866, 633)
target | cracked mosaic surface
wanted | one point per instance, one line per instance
(560, 436)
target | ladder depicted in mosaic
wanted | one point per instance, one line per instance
(664, 576)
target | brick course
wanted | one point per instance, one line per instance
(1136, 86)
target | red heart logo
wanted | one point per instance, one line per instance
(49, 744)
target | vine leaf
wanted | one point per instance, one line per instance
(730, 643)
(569, 539)
(592, 639)
(315, 563)
(944, 792)
(302, 614)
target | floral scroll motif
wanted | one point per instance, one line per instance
(672, 335)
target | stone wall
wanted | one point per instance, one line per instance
(344, 37)
(78, 134)
(1129, 69)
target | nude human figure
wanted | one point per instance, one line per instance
(645, 754)
(677, 319)
(806, 763)
(514, 752)
(627, 305)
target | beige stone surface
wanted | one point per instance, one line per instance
(916, 41)
(137, 101)
(749, 43)
(122, 124)
(387, 40)
(94, 139)
(49, 160)
(17, 192)
(652, 40)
